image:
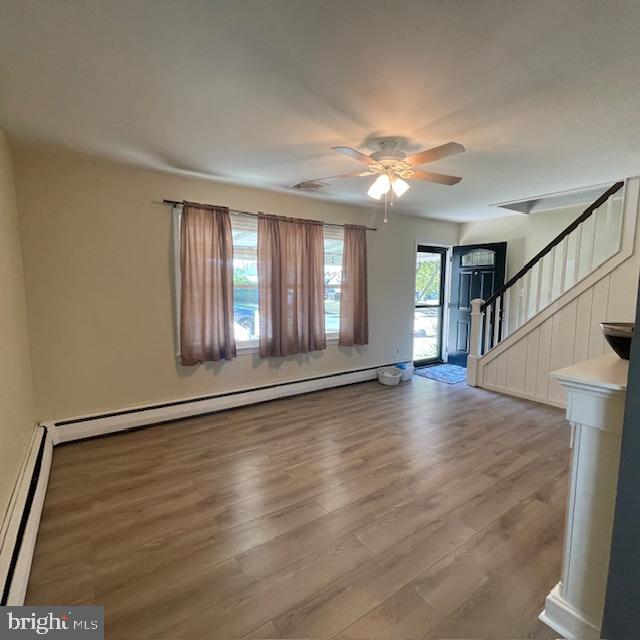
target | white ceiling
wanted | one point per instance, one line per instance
(544, 94)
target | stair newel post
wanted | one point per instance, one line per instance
(475, 341)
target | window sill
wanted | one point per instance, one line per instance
(251, 348)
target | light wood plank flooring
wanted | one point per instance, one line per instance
(421, 511)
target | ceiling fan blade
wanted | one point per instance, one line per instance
(316, 183)
(355, 174)
(440, 178)
(354, 155)
(351, 175)
(430, 155)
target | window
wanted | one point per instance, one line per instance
(333, 248)
(245, 278)
(479, 257)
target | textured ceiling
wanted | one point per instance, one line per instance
(544, 94)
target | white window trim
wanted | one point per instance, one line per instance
(247, 347)
(251, 347)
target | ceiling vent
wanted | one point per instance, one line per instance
(309, 185)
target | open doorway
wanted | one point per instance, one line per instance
(429, 304)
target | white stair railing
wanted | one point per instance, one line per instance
(572, 255)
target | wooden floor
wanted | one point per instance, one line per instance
(422, 511)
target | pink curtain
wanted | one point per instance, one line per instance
(206, 300)
(291, 284)
(354, 312)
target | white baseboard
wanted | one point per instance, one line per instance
(20, 528)
(19, 539)
(565, 619)
(561, 404)
(101, 424)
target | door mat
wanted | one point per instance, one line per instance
(449, 373)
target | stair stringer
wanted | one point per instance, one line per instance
(568, 330)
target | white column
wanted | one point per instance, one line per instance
(595, 409)
(475, 342)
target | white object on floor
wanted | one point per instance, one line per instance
(407, 371)
(389, 375)
(595, 408)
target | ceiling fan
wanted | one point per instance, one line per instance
(393, 167)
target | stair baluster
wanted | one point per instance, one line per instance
(493, 320)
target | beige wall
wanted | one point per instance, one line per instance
(97, 252)
(524, 235)
(16, 395)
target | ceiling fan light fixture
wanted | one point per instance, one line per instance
(374, 193)
(400, 186)
(394, 167)
(381, 186)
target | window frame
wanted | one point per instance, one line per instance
(332, 233)
(252, 345)
(441, 305)
(243, 347)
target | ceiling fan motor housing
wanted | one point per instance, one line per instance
(390, 159)
(389, 150)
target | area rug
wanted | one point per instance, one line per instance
(449, 373)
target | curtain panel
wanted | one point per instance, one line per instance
(354, 311)
(291, 286)
(206, 300)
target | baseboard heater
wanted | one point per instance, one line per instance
(20, 527)
(111, 422)
(18, 535)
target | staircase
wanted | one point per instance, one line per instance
(547, 315)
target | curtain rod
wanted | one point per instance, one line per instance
(239, 212)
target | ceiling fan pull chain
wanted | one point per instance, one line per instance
(391, 190)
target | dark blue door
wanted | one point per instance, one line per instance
(477, 271)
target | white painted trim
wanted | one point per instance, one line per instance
(89, 426)
(565, 620)
(519, 394)
(472, 371)
(22, 568)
